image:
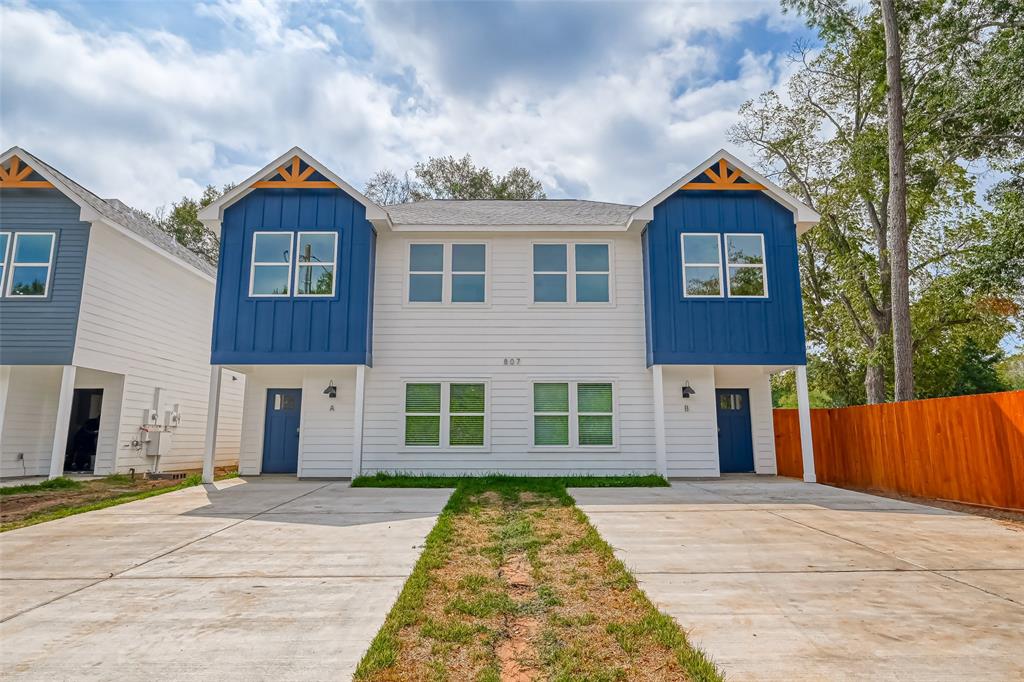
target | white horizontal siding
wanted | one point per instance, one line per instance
(553, 342)
(150, 320)
(29, 419)
(691, 424)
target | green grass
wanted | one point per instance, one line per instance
(53, 484)
(516, 534)
(70, 510)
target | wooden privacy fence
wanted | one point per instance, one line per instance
(967, 449)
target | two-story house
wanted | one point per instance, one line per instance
(104, 335)
(525, 337)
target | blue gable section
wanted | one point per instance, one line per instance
(722, 331)
(42, 331)
(295, 330)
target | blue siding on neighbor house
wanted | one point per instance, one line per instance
(289, 330)
(42, 331)
(722, 331)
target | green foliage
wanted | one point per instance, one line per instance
(183, 223)
(826, 142)
(445, 177)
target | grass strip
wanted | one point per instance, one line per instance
(515, 583)
(70, 510)
(52, 484)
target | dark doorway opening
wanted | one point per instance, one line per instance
(83, 430)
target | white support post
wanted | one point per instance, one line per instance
(212, 415)
(60, 429)
(660, 447)
(357, 422)
(5, 387)
(803, 403)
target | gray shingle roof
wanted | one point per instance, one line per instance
(485, 212)
(120, 213)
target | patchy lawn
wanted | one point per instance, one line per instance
(26, 505)
(513, 585)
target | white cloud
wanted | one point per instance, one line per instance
(148, 116)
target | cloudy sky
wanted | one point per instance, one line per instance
(150, 100)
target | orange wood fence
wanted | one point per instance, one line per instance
(967, 449)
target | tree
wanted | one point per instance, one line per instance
(903, 344)
(829, 145)
(386, 189)
(183, 223)
(446, 177)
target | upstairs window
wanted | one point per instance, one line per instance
(745, 259)
(447, 273)
(702, 265)
(31, 262)
(271, 264)
(316, 262)
(578, 273)
(453, 413)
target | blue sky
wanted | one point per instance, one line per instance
(603, 100)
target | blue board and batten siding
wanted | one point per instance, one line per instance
(41, 331)
(295, 330)
(725, 331)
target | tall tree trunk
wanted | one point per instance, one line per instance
(874, 383)
(902, 341)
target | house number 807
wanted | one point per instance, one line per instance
(511, 362)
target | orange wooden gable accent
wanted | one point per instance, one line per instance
(294, 178)
(16, 174)
(723, 179)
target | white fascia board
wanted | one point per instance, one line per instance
(508, 228)
(88, 214)
(804, 216)
(212, 215)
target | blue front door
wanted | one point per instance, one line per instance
(735, 442)
(281, 431)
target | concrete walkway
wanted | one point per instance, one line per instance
(782, 580)
(268, 578)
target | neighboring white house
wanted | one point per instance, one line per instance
(104, 335)
(530, 337)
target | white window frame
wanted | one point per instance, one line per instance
(299, 264)
(574, 414)
(446, 272)
(253, 263)
(763, 265)
(570, 274)
(3, 257)
(444, 436)
(12, 263)
(682, 258)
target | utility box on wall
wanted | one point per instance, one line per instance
(159, 443)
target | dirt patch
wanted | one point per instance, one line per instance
(527, 591)
(24, 505)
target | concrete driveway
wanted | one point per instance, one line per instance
(783, 580)
(246, 580)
